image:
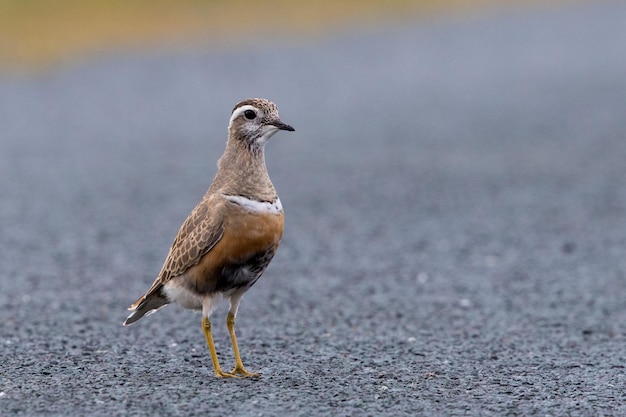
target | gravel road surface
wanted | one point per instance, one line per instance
(455, 242)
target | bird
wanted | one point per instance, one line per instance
(230, 237)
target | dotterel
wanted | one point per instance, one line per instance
(230, 237)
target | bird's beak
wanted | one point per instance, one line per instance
(282, 126)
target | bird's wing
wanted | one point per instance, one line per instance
(200, 232)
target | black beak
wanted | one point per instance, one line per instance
(283, 126)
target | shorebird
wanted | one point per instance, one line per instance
(230, 237)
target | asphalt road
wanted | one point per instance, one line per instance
(455, 243)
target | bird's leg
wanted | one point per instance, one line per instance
(239, 368)
(206, 328)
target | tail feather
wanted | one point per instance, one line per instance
(146, 305)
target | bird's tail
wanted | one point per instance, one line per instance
(147, 304)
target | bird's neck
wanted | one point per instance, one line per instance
(242, 171)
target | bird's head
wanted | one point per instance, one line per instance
(254, 121)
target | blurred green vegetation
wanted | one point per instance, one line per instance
(35, 33)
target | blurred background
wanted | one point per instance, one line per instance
(40, 33)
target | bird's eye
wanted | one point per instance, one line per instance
(249, 114)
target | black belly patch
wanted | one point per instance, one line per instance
(244, 274)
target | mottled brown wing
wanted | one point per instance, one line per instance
(200, 232)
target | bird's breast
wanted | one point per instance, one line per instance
(248, 233)
(248, 244)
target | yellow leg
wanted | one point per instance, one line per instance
(239, 369)
(206, 327)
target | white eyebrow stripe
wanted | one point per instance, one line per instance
(239, 111)
(257, 206)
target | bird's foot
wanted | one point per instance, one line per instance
(240, 371)
(221, 374)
